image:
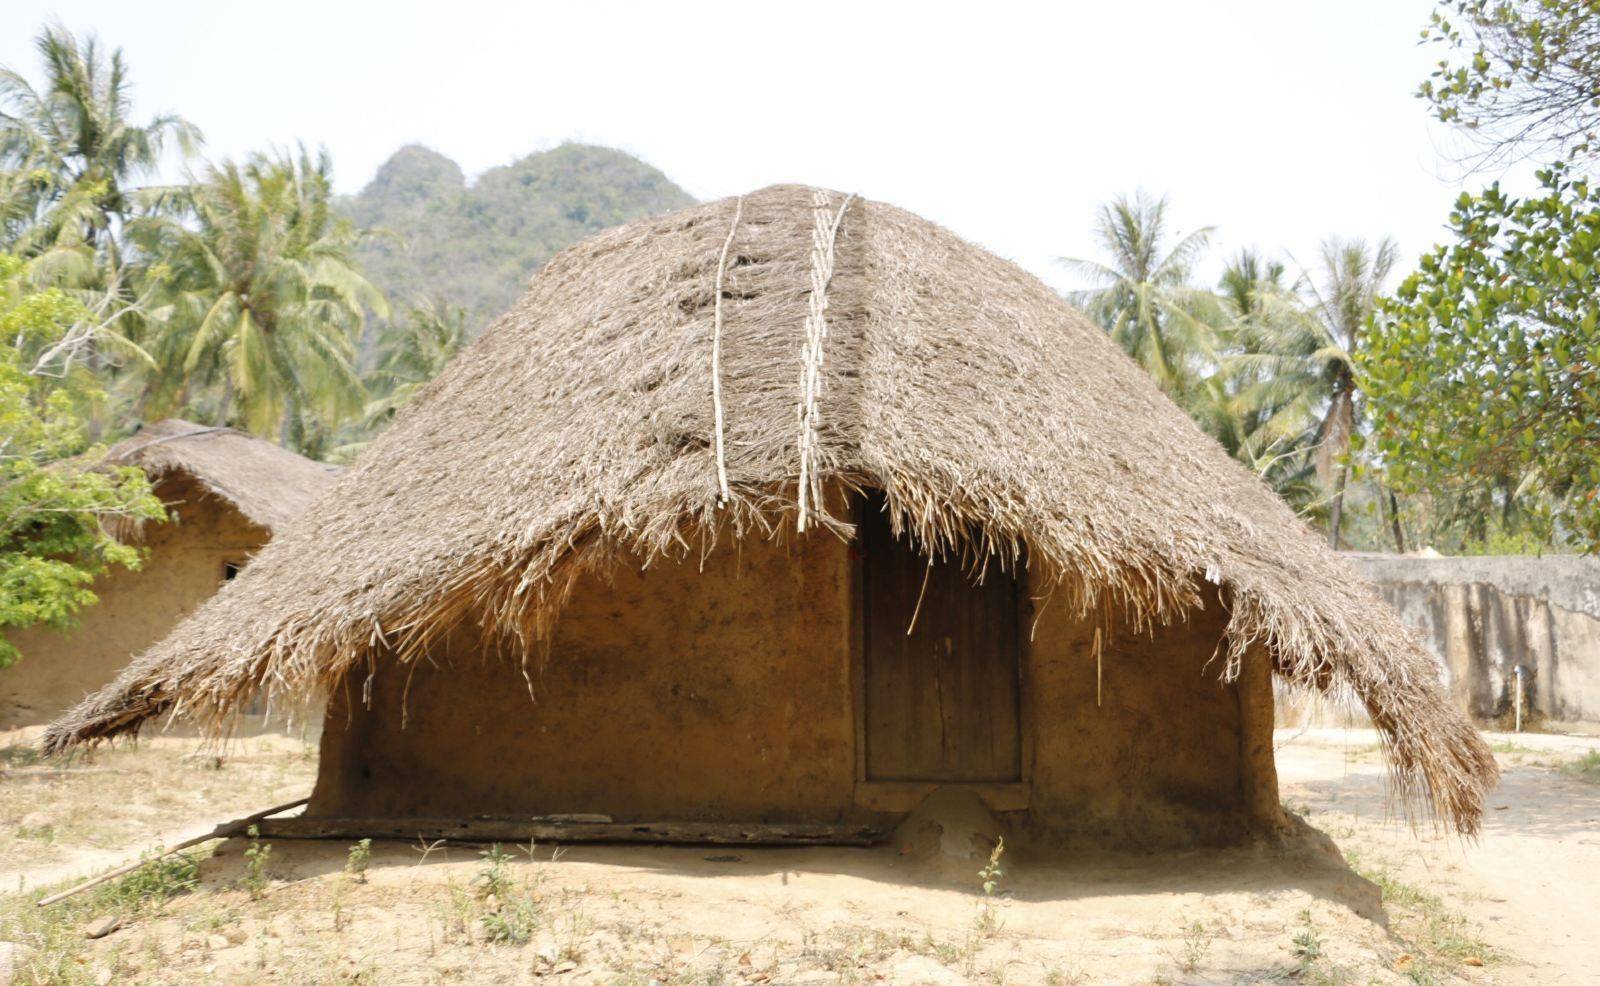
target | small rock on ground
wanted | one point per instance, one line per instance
(101, 927)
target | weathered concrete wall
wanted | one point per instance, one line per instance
(184, 568)
(1484, 616)
(726, 691)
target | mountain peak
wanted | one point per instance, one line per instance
(415, 173)
(475, 246)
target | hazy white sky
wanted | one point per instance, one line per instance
(1279, 122)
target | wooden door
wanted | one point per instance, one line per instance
(942, 702)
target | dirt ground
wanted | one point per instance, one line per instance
(60, 819)
(1518, 906)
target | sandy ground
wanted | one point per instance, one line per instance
(58, 819)
(1522, 901)
(1530, 881)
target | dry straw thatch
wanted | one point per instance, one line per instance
(269, 485)
(588, 424)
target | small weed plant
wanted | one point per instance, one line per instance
(357, 861)
(510, 922)
(987, 924)
(494, 877)
(1196, 943)
(257, 857)
(504, 914)
(156, 882)
(1307, 943)
(54, 934)
(1442, 937)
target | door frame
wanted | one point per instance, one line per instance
(904, 796)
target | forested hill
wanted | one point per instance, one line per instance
(475, 246)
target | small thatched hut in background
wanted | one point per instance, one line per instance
(226, 495)
(792, 509)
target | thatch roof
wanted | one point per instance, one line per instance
(269, 485)
(585, 425)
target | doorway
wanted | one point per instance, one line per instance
(942, 702)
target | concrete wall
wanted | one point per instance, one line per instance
(183, 569)
(1483, 616)
(728, 692)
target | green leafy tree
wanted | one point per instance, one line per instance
(1142, 293)
(54, 506)
(16, 205)
(1262, 364)
(72, 139)
(258, 302)
(1520, 75)
(1485, 368)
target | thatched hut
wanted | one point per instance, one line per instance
(790, 509)
(226, 494)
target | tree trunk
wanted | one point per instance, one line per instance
(1394, 523)
(1336, 439)
(292, 434)
(226, 404)
(1336, 517)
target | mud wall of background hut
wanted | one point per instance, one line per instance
(1484, 617)
(183, 568)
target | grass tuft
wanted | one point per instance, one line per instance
(1585, 768)
(1439, 939)
(54, 936)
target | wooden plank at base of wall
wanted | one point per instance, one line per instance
(516, 830)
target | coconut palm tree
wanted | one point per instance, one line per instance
(1259, 402)
(1343, 293)
(259, 300)
(1289, 379)
(1142, 295)
(74, 139)
(1270, 335)
(410, 354)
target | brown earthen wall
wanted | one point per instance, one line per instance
(182, 569)
(1149, 745)
(726, 693)
(667, 693)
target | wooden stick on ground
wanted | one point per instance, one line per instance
(223, 831)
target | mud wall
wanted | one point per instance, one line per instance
(668, 693)
(183, 568)
(1145, 743)
(725, 690)
(1484, 616)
